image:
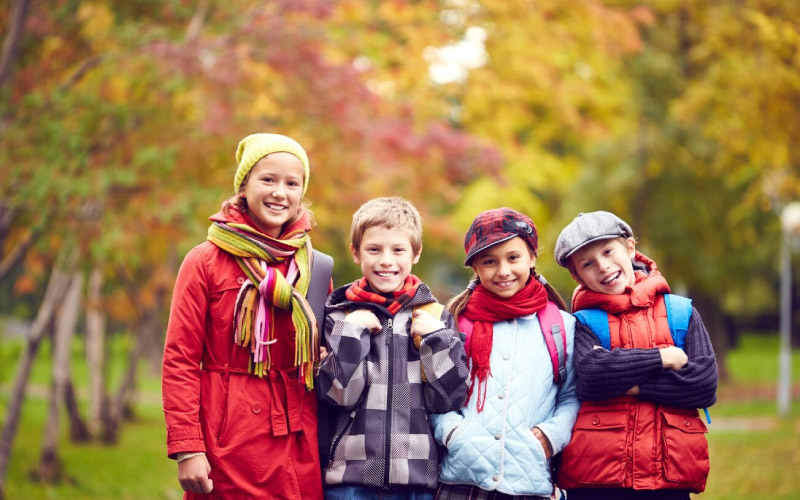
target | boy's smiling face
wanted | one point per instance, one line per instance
(386, 257)
(606, 266)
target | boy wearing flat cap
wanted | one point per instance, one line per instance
(645, 366)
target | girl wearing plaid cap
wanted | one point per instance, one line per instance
(237, 379)
(500, 444)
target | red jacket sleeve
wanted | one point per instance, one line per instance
(183, 352)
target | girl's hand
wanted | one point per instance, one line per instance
(323, 353)
(193, 474)
(365, 318)
(548, 448)
(423, 323)
(673, 358)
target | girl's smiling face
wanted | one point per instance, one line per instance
(274, 191)
(504, 269)
(606, 266)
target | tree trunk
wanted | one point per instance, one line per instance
(717, 327)
(118, 406)
(56, 288)
(50, 466)
(95, 348)
(78, 430)
(9, 55)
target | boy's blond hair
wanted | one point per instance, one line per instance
(390, 212)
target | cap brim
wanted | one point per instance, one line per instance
(569, 254)
(467, 261)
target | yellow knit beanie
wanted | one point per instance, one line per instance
(256, 146)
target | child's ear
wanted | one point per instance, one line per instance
(418, 254)
(630, 245)
(354, 251)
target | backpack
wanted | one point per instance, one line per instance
(552, 325)
(321, 274)
(679, 312)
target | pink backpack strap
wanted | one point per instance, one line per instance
(555, 336)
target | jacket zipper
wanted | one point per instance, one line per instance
(338, 438)
(388, 423)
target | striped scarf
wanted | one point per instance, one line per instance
(359, 291)
(267, 288)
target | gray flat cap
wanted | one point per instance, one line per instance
(586, 228)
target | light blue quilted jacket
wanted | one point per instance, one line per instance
(496, 449)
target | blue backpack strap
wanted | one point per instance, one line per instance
(597, 321)
(679, 312)
(555, 337)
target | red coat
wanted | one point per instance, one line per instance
(260, 435)
(625, 442)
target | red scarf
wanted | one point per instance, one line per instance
(486, 308)
(360, 291)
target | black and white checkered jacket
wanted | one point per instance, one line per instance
(373, 382)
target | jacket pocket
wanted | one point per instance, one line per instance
(247, 409)
(597, 452)
(685, 448)
(339, 437)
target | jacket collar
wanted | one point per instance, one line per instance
(648, 286)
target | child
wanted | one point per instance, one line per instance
(390, 363)
(638, 433)
(517, 416)
(241, 341)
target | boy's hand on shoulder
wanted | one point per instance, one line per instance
(673, 358)
(423, 323)
(365, 318)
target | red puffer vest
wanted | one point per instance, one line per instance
(624, 442)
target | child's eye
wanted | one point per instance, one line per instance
(586, 264)
(513, 258)
(294, 183)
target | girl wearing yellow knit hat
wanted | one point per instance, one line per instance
(242, 338)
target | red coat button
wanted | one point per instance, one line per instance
(240, 280)
(256, 408)
(686, 422)
(595, 421)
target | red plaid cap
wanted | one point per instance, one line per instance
(496, 226)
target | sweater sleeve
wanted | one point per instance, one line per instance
(444, 362)
(604, 374)
(183, 352)
(694, 385)
(342, 374)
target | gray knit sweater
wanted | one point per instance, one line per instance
(604, 374)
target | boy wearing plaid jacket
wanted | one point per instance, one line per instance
(390, 363)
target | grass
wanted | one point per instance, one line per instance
(754, 454)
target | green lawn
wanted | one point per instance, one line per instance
(753, 454)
